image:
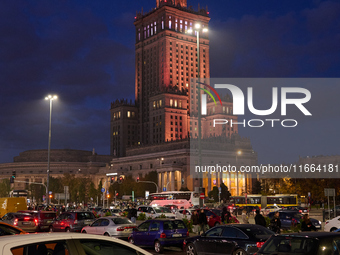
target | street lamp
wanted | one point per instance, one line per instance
(51, 98)
(198, 29)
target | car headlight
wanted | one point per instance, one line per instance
(319, 222)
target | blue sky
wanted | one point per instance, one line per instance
(84, 52)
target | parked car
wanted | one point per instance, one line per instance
(332, 225)
(269, 209)
(229, 239)
(72, 243)
(23, 221)
(212, 218)
(72, 221)
(155, 212)
(184, 213)
(300, 209)
(7, 229)
(45, 218)
(160, 233)
(311, 243)
(119, 227)
(251, 209)
(291, 218)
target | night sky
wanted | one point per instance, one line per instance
(83, 51)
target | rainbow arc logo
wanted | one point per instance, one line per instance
(204, 97)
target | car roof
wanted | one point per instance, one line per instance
(164, 219)
(313, 234)
(46, 237)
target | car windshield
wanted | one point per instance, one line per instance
(85, 216)
(257, 231)
(176, 224)
(21, 216)
(121, 221)
(287, 245)
(48, 215)
(162, 210)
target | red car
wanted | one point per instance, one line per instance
(212, 218)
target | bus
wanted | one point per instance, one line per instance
(185, 199)
(255, 200)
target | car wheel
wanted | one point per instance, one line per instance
(106, 234)
(158, 247)
(131, 241)
(333, 229)
(239, 252)
(67, 230)
(191, 249)
(50, 229)
(84, 231)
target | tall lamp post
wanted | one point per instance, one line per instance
(197, 29)
(51, 98)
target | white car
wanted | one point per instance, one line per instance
(269, 209)
(155, 212)
(184, 213)
(66, 243)
(331, 225)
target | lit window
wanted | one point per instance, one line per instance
(154, 104)
(160, 103)
(128, 114)
(171, 102)
(175, 103)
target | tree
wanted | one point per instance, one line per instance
(5, 188)
(257, 187)
(225, 194)
(214, 194)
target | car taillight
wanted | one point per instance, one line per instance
(300, 211)
(15, 222)
(163, 235)
(259, 244)
(36, 221)
(120, 229)
(27, 218)
(326, 222)
(188, 233)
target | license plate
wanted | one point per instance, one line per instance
(176, 235)
(26, 223)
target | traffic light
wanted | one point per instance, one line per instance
(137, 179)
(117, 194)
(112, 180)
(108, 195)
(120, 180)
(14, 174)
(50, 196)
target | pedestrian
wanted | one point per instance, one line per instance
(224, 212)
(133, 214)
(245, 217)
(259, 219)
(202, 221)
(306, 224)
(275, 223)
(194, 220)
(129, 213)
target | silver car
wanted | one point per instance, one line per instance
(119, 227)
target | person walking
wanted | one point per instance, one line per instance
(245, 219)
(259, 219)
(223, 216)
(275, 223)
(202, 221)
(306, 224)
(194, 219)
(133, 214)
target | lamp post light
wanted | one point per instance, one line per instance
(197, 30)
(51, 98)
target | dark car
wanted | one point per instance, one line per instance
(72, 221)
(44, 218)
(212, 218)
(229, 239)
(300, 209)
(311, 243)
(291, 218)
(160, 233)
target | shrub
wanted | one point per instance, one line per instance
(188, 223)
(108, 214)
(141, 216)
(124, 214)
(162, 216)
